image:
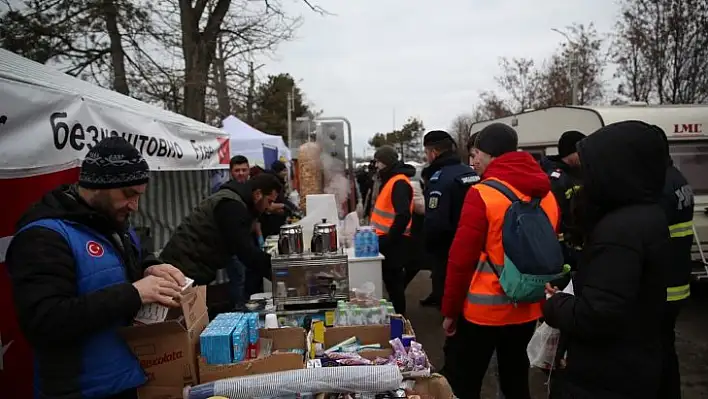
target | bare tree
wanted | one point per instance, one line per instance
(519, 79)
(670, 38)
(461, 130)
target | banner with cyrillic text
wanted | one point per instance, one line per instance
(41, 128)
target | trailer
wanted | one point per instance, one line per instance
(686, 127)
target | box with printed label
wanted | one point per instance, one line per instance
(168, 350)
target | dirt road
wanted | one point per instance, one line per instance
(692, 341)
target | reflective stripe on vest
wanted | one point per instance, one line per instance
(684, 229)
(569, 193)
(678, 293)
(486, 303)
(383, 213)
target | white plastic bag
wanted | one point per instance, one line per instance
(543, 346)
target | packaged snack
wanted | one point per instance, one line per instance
(355, 361)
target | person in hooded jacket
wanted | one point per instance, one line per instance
(611, 328)
(277, 214)
(479, 318)
(563, 170)
(448, 181)
(391, 220)
(78, 277)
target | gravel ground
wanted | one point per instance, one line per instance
(692, 341)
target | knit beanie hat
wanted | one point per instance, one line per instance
(113, 163)
(568, 142)
(497, 139)
(436, 136)
(386, 155)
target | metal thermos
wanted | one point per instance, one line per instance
(290, 241)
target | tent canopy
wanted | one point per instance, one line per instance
(51, 119)
(254, 144)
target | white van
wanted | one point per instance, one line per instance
(686, 127)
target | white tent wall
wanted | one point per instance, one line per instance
(249, 142)
(170, 197)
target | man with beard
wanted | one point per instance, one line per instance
(448, 181)
(563, 171)
(77, 278)
(220, 228)
(276, 215)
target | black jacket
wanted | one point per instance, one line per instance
(611, 327)
(271, 222)
(54, 319)
(448, 181)
(401, 197)
(565, 183)
(678, 204)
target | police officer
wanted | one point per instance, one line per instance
(678, 203)
(563, 170)
(447, 182)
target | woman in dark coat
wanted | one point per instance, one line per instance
(611, 327)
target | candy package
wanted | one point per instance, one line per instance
(342, 355)
(355, 361)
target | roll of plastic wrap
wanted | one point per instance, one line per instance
(321, 379)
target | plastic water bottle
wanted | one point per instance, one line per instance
(372, 243)
(359, 250)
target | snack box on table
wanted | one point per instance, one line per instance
(280, 349)
(371, 334)
(168, 350)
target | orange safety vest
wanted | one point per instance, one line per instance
(383, 213)
(486, 303)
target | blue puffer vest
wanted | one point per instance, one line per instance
(109, 367)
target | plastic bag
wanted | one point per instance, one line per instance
(542, 348)
(351, 224)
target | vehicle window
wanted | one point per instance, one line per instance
(692, 161)
(537, 153)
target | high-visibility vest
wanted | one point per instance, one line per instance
(486, 302)
(383, 213)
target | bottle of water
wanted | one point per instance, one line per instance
(359, 244)
(372, 243)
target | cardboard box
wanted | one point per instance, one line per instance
(282, 338)
(436, 386)
(367, 335)
(168, 351)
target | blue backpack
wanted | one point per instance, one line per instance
(532, 254)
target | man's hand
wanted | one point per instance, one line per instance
(276, 208)
(167, 272)
(450, 326)
(153, 289)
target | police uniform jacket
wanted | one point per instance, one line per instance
(447, 181)
(565, 184)
(678, 203)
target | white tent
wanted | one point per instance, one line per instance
(249, 142)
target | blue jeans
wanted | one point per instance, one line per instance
(237, 281)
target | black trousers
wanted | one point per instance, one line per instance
(670, 375)
(438, 273)
(393, 270)
(468, 352)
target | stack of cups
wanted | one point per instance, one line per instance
(271, 320)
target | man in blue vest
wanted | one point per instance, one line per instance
(447, 182)
(78, 277)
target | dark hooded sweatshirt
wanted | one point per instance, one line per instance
(611, 327)
(54, 319)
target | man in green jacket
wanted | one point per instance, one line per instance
(220, 228)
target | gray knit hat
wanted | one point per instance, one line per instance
(386, 155)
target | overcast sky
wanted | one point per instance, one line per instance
(423, 58)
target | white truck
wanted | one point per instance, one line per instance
(685, 125)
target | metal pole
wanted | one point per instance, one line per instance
(290, 118)
(350, 154)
